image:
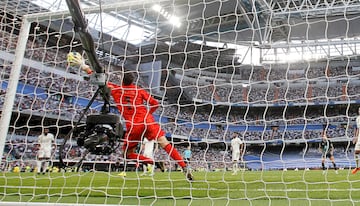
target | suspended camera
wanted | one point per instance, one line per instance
(101, 133)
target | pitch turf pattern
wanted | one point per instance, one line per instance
(171, 188)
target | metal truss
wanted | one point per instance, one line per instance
(281, 9)
(312, 50)
(275, 14)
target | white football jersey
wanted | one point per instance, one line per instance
(46, 141)
(358, 126)
(235, 144)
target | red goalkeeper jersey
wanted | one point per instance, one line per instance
(131, 102)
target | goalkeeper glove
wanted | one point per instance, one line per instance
(76, 59)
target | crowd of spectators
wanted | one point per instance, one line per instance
(47, 103)
(270, 93)
(21, 151)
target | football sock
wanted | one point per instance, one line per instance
(145, 168)
(235, 167)
(357, 160)
(174, 154)
(38, 165)
(334, 165)
(323, 166)
(46, 165)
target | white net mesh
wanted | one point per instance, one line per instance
(278, 73)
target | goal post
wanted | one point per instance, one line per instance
(9, 100)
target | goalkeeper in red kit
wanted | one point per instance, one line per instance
(140, 121)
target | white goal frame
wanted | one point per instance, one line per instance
(20, 51)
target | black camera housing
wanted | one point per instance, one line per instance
(102, 134)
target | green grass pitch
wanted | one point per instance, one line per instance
(170, 188)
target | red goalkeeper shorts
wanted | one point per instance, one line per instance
(136, 131)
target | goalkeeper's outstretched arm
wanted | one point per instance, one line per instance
(80, 27)
(75, 59)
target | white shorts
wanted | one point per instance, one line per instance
(357, 146)
(44, 153)
(235, 156)
(149, 155)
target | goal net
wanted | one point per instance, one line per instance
(280, 75)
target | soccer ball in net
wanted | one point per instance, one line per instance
(74, 59)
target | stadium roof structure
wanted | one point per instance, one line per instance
(261, 24)
(228, 21)
(234, 21)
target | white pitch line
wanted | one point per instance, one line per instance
(179, 188)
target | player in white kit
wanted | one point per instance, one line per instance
(356, 141)
(148, 151)
(45, 141)
(237, 147)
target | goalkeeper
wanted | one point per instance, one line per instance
(326, 148)
(140, 121)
